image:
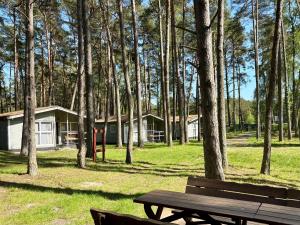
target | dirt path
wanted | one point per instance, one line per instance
(240, 139)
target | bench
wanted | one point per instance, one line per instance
(241, 191)
(248, 192)
(102, 217)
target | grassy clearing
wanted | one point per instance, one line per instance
(63, 194)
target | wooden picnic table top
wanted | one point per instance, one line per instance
(252, 211)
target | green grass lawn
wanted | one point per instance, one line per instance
(63, 194)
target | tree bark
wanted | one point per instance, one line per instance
(138, 77)
(184, 99)
(25, 128)
(49, 51)
(174, 89)
(177, 72)
(128, 86)
(89, 77)
(233, 88)
(16, 64)
(257, 88)
(108, 97)
(166, 74)
(265, 167)
(239, 99)
(116, 85)
(199, 106)
(162, 70)
(81, 90)
(280, 102)
(32, 167)
(212, 154)
(286, 83)
(220, 79)
(227, 92)
(294, 90)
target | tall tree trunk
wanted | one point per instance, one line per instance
(145, 57)
(174, 89)
(185, 101)
(50, 68)
(138, 77)
(280, 102)
(212, 154)
(286, 83)
(227, 93)
(32, 168)
(255, 38)
(199, 106)
(108, 96)
(25, 127)
(81, 89)
(128, 86)
(239, 99)
(162, 70)
(265, 167)
(89, 77)
(16, 64)
(149, 89)
(233, 89)
(220, 79)
(166, 74)
(43, 89)
(177, 72)
(116, 85)
(74, 94)
(294, 90)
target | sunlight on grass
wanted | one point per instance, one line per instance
(63, 194)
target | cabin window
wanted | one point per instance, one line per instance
(44, 133)
(68, 133)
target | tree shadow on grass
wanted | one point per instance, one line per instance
(156, 170)
(252, 180)
(69, 191)
(261, 144)
(118, 166)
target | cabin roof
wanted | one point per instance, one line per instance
(190, 119)
(19, 113)
(124, 118)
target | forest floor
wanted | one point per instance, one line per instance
(63, 194)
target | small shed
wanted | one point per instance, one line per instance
(153, 127)
(55, 126)
(192, 122)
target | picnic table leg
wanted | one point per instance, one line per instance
(244, 222)
(209, 219)
(149, 212)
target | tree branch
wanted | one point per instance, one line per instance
(193, 64)
(188, 47)
(215, 16)
(186, 29)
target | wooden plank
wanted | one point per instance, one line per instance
(238, 196)
(278, 214)
(203, 204)
(202, 199)
(103, 217)
(252, 211)
(280, 209)
(293, 194)
(276, 192)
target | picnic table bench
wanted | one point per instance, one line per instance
(218, 202)
(102, 217)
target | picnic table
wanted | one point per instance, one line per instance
(208, 206)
